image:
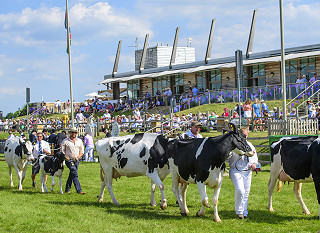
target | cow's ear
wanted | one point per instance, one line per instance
(224, 131)
(232, 127)
(21, 141)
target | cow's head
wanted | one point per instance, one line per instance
(60, 155)
(24, 149)
(239, 140)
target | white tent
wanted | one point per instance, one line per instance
(95, 94)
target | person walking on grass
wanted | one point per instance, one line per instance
(240, 173)
(72, 147)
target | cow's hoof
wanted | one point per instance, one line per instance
(153, 204)
(184, 214)
(20, 189)
(307, 213)
(271, 209)
(217, 220)
(11, 185)
(163, 206)
(61, 193)
(197, 214)
(100, 200)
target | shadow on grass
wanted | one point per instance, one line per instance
(145, 211)
(265, 216)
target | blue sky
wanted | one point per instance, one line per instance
(33, 38)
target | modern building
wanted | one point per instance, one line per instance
(159, 56)
(260, 69)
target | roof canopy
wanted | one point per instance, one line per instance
(209, 67)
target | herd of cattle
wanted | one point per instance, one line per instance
(198, 161)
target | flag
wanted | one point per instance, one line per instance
(66, 25)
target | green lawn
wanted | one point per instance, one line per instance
(32, 211)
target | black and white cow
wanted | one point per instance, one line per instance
(295, 159)
(201, 161)
(17, 153)
(141, 154)
(51, 165)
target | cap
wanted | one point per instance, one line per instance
(294, 109)
(261, 101)
(195, 123)
(275, 108)
(73, 130)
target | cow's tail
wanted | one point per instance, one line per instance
(279, 185)
(101, 173)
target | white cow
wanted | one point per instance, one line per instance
(17, 153)
(133, 155)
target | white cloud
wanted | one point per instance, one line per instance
(20, 69)
(47, 77)
(8, 91)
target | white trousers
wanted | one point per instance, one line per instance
(242, 183)
(89, 153)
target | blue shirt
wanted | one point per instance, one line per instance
(256, 109)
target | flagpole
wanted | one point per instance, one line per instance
(70, 70)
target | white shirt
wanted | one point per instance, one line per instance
(70, 149)
(242, 162)
(44, 146)
(189, 134)
(106, 116)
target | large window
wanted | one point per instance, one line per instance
(254, 76)
(160, 83)
(201, 80)
(133, 89)
(303, 66)
(215, 79)
(291, 71)
(178, 86)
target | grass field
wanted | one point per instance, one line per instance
(32, 211)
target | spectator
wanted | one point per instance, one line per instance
(32, 137)
(194, 131)
(52, 137)
(247, 111)
(88, 143)
(106, 116)
(11, 135)
(257, 113)
(108, 134)
(136, 112)
(72, 147)
(313, 79)
(264, 107)
(79, 116)
(45, 135)
(293, 112)
(225, 113)
(195, 91)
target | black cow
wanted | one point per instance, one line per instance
(295, 159)
(52, 165)
(202, 161)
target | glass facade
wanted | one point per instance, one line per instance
(215, 79)
(160, 83)
(133, 89)
(178, 86)
(201, 80)
(303, 66)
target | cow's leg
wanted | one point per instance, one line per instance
(108, 182)
(316, 181)
(183, 190)
(271, 184)
(175, 190)
(24, 172)
(19, 178)
(103, 184)
(10, 174)
(60, 183)
(43, 184)
(216, 194)
(204, 198)
(52, 183)
(297, 191)
(153, 189)
(155, 178)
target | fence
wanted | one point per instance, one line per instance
(293, 127)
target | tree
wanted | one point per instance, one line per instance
(9, 115)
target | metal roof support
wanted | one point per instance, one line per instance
(174, 49)
(144, 53)
(116, 61)
(251, 35)
(209, 46)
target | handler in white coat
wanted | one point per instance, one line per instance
(240, 173)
